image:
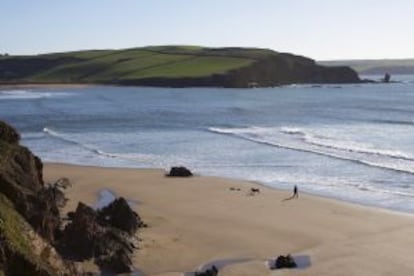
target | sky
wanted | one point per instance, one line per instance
(320, 29)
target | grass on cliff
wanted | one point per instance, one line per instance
(191, 67)
(6, 150)
(19, 236)
(128, 64)
(13, 228)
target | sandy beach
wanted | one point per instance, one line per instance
(201, 220)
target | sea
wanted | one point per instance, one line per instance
(350, 142)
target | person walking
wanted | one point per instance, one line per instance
(295, 192)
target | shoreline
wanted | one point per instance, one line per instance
(46, 85)
(255, 183)
(199, 220)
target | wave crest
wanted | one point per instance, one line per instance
(300, 139)
(136, 157)
(29, 94)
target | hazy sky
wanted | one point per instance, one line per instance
(320, 29)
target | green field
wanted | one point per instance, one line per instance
(111, 66)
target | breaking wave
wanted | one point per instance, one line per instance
(28, 94)
(302, 140)
(136, 157)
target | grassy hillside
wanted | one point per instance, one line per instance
(379, 66)
(166, 66)
(110, 65)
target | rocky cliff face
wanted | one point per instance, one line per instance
(287, 69)
(29, 217)
(21, 182)
(32, 239)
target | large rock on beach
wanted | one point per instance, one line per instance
(106, 235)
(213, 271)
(180, 172)
(284, 262)
(81, 235)
(118, 214)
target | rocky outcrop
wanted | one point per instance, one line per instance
(29, 215)
(30, 222)
(284, 262)
(23, 251)
(118, 214)
(285, 69)
(106, 235)
(180, 172)
(213, 271)
(21, 181)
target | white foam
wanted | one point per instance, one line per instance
(29, 94)
(344, 145)
(51, 132)
(300, 139)
(138, 159)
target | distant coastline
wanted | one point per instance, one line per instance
(171, 66)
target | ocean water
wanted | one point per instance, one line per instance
(349, 142)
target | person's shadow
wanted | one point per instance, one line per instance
(289, 198)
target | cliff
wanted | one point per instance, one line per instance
(172, 66)
(29, 217)
(33, 240)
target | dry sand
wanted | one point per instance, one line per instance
(198, 220)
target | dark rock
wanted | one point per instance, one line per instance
(80, 236)
(105, 235)
(180, 171)
(255, 190)
(118, 214)
(71, 215)
(54, 194)
(284, 262)
(117, 262)
(23, 252)
(213, 271)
